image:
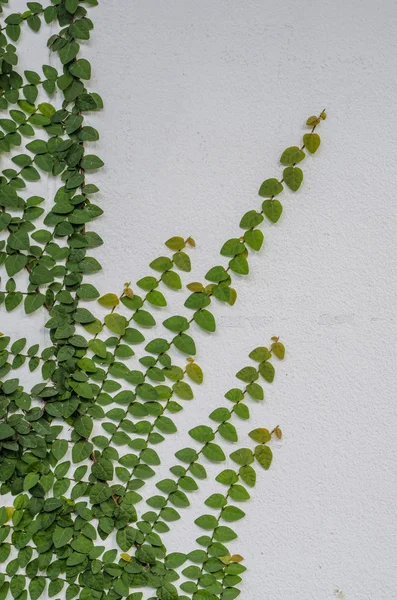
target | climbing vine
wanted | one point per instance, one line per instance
(78, 449)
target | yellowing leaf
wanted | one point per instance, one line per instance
(312, 142)
(175, 243)
(126, 557)
(10, 511)
(194, 372)
(116, 323)
(195, 286)
(312, 121)
(128, 292)
(278, 433)
(237, 558)
(109, 300)
(278, 350)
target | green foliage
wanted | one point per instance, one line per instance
(77, 450)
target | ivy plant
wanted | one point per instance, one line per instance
(79, 447)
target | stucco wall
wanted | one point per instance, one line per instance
(200, 100)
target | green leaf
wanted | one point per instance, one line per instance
(213, 452)
(15, 263)
(220, 414)
(13, 300)
(71, 5)
(292, 156)
(172, 280)
(147, 283)
(68, 52)
(17, 585)
(83, 426)
(243, 456)
(264, 456)
(50, 72)
(176, 324)
(251, 219)
(293, 177)
(248, 475)
(270, 188)
(116, 323)
(13, 31)
(208, 522)
(144, 318)
(202, 433)
(87, 292)
(34, 22)
(46, 109)
(81, 450)
(266, 369)
(232, 247)
(239, 264)
(162, 263)
(33, 302)
(81, 68)
(254, 239)
(272, 210)
(312, 142)
(228, 432)
(91, 162)
(183, 390)
(175, 560)
(88, 134)
(40, 275)
(6, 431)
(99, 493)
(18, 346)
(205, 320)
(30, 481)
(185, 344)
(156, 298)
(182, 261)
(234, 395)
(157, 346)
(36, 587)
(61, 536)
(37, 147)
(232, 513)
(19, 240)
(238, 492)
(255, 391)
(260, 354)
(260, 435)
(216, 501)
(224, 534)
(167, 592)
(247, 374)
(165, 425)
(22, 160)
(197, 300)
(83, 316)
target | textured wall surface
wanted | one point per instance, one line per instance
(200, 100)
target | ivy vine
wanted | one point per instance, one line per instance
(78, 448)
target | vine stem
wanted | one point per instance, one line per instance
(198, 454)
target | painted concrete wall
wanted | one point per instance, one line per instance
(201, 98)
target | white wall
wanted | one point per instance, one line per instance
(201, 98)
